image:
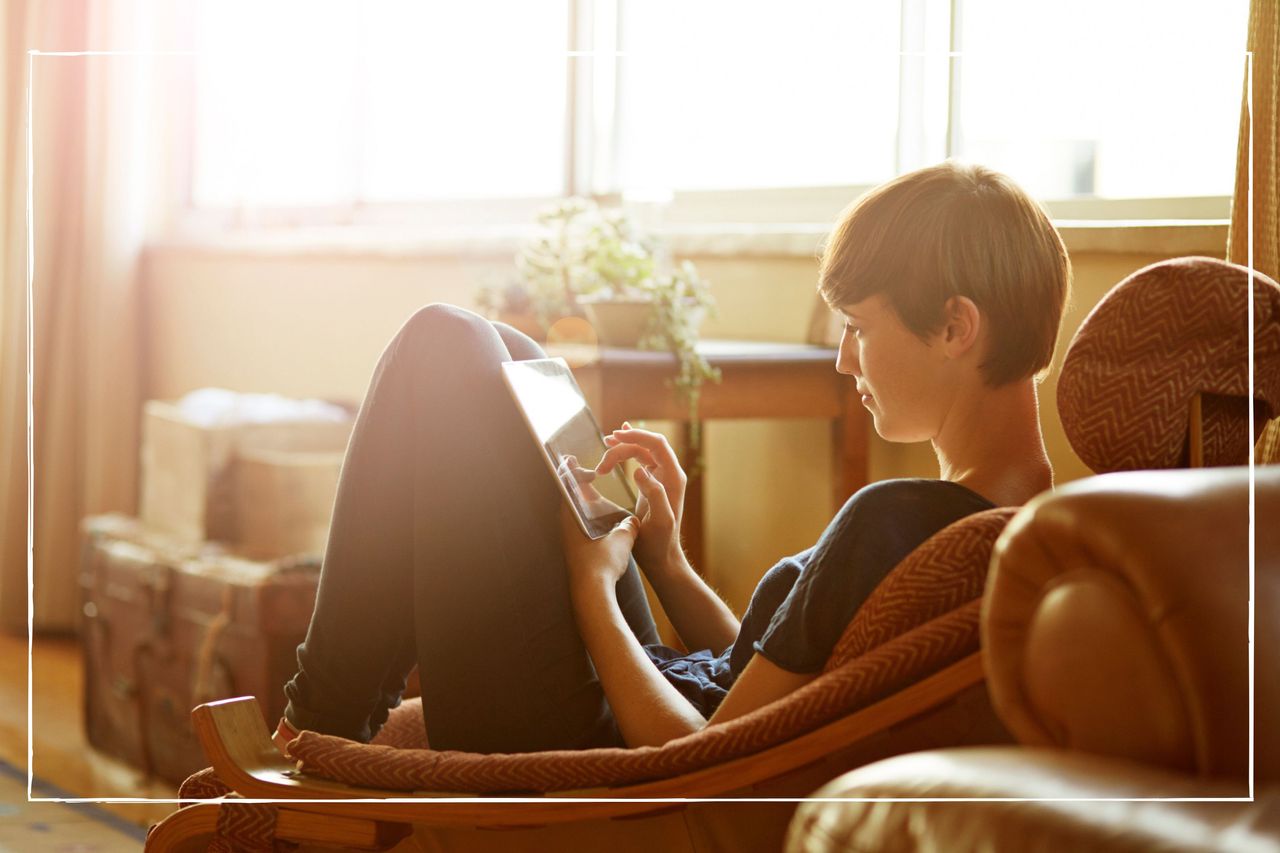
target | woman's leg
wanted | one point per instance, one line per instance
(445, 539)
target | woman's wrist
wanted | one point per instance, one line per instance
(671, 567)
(594, 603)
(590, 588)
(672, 564)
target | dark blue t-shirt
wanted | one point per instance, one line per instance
(803, 604)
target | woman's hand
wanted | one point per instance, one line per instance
(661, 484)
(595, 562)
(578, 481)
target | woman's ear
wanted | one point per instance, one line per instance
(962, 325)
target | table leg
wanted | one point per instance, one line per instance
(693, 529)
(849, 442)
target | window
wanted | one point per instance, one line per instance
(304, 103)
(729, 95)
(753, 110)
(1103, 98)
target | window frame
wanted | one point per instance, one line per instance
(591, 155)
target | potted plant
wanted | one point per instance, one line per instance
(594, 263)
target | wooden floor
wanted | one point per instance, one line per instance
(60, 754)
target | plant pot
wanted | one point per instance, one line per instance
(625, 322)
(619, 322)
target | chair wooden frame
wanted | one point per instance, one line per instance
(239, 747)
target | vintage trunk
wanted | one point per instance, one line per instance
(169, 625)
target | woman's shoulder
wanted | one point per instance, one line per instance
(910, 498)
(891, 517)
(911, 492)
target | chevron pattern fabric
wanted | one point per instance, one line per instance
(944, 573)
(885, 669)
(1167, 332)
(242, 827)
(404, 728)
(245, 828)
(203, 785)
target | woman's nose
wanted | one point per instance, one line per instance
(847, 357)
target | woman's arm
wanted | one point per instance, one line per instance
(761, 682)
(698, 614)
(648, 709)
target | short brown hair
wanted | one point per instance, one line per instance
(956, 230)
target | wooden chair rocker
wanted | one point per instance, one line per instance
(906, 675)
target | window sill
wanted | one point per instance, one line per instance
(748, 240)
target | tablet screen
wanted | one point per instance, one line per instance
(562, 424)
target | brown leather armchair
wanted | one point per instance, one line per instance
(1116, 647)
(1115, 621)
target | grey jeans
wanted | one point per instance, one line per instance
(444, 550)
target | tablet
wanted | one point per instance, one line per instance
(569, 438)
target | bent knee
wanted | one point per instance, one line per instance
(443, 324)
(441, 316)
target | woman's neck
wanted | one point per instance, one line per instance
(993, 445)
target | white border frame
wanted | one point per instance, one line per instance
(31, 575)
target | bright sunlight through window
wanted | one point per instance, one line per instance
(314, 104)
(1106, 98)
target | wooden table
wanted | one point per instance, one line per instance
(759, 380)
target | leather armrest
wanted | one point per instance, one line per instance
(1115, 619)
(1022, 772)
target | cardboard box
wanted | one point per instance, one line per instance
(285, 500)
(189, 469)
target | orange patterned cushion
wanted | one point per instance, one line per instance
(884, 670)
(203, 785)
(1163, 334)
(404, 728)
(245, 828)
(947, 571)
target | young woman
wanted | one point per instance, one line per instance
(449, 546)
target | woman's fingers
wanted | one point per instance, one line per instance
(655, 442)
(627, 529)
(620, 452)
(582, 475)
(653, 491)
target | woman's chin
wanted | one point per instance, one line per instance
(896, 433)
(882, 429)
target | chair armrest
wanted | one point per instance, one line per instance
(1116, 618)
(236, 741)
(1022, 772)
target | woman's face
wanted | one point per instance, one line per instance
(903, 380)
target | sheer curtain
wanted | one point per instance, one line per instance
(96, 146)
(1264, 32)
